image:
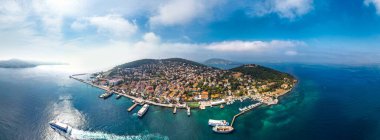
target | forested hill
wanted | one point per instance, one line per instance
(262, 73)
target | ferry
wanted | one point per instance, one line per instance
(143, 110)
(212, 122)
(118, 96)
(61, 128)
(223, 129)
(106, 95)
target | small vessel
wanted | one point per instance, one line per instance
(118, 96)
(106, 95)
(221, 106)
(143, 110)
(175, 110)
(188, 111)
(212, 122)
(61, 128)
(223, 129)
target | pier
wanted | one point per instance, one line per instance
(132, 107)
(244, 111)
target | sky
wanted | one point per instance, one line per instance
(100, 34)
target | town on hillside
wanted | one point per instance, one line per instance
(183, 82)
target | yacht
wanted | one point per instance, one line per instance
(212, 122)
(60, 127)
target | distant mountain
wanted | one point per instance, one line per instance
(221, 63)
(17, 63)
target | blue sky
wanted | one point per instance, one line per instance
(94, 32)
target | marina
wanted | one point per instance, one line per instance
(244, 111)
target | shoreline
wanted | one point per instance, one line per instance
(223, 101)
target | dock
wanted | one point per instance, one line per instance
(244, 111)
(132, 107)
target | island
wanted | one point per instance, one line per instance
(222, 63)
(17, 63)
(181, 83)
(177, 81)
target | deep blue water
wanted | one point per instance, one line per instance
(329, 102)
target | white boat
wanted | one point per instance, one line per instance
(143, 110)
(61, 128)
(188, 111)
(212, 122)
(223, 129)
(106, 95)
(118, 96)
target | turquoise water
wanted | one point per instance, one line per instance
(329, 102)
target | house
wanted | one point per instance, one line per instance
(115, 82)
(204, 95)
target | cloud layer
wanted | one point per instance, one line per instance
(283, 8)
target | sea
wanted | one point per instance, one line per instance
(330, 102)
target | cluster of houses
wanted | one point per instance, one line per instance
(178, 82)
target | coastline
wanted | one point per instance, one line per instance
(172, 105)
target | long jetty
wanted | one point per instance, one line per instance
(132, 107)
(244, 111)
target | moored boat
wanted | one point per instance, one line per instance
(118, 96)
(188, 111)
(212, 122)
(223, 129)
(106, 95)
(143, 110)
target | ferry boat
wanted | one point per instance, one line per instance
(223, 129)
(118, 96)
(212, 122)
(106, 95)
(61, 128)
(143, 110)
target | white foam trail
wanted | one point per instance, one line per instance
(80, 134)
(65, 112)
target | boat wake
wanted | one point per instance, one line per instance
(65, 112)
(80, 134)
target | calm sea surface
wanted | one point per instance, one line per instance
(329, 102)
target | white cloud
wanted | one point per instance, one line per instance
(375, 3)
(252, 46)
(283, 8)
(179, 12)
(151, 37)
(79, 24)
(112, 24)
(291, 53)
